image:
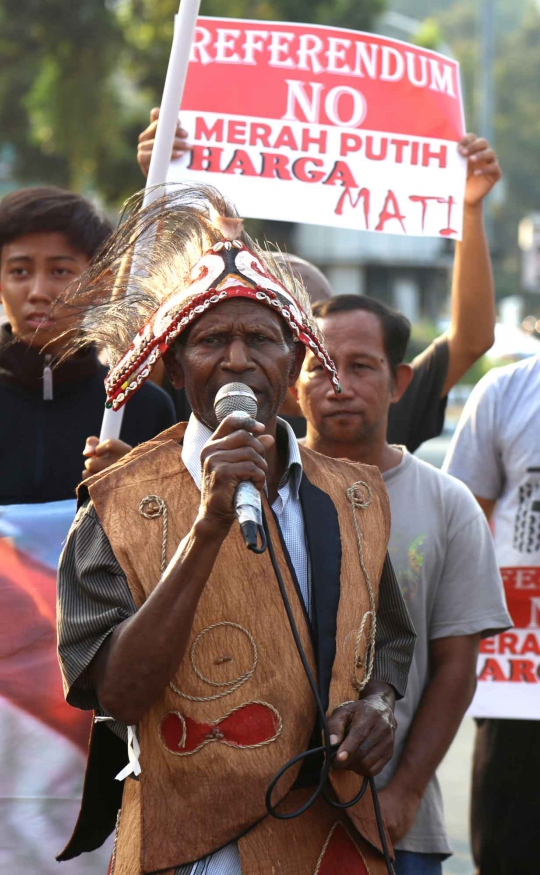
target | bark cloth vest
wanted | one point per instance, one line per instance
(239, 705)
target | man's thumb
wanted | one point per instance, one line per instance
(90, 446)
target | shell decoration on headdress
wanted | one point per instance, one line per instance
(162, 242)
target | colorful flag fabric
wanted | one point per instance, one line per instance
(43, 740)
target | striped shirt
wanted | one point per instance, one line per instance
(93, 598)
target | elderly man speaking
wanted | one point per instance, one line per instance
(226, 656)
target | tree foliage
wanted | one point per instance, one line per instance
(148, 25)
(58, 102)
(516, 118)
(78, 79)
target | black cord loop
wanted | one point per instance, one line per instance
(326, 748)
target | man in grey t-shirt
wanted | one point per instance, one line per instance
(496, 452)
(443, 555)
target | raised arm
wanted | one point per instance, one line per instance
(472, 322)
(137, 661)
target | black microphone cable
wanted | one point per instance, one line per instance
(326, 748)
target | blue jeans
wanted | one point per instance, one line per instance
(410, 863)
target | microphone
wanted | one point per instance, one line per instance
(239, 398)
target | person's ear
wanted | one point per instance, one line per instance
(174, 369)
(402, 379)
(297, 360)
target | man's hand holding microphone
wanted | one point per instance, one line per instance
(234, 463)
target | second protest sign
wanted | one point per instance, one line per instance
(335, 127)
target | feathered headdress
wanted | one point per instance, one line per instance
(165, 266)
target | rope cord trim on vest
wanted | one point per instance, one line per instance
(214, 735)
(233, 685)
(357, 500)
(152, 507)
(112, 864)
(336, 826)
(326, 748)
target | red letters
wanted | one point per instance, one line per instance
(530, 644)
(364, 194)
(341, 174)
(304, 173)
(206, 158)
(424, 199)
(308, 140)
(236, 132)
(260, 133)
(241, 163)
(519, 671)
(382, 152)
(386, 215)
(439, 156)
(275, 165)
(286, 138)
(491, 671)
(350, 143)
(507, 643)
(202, 130)
(399, 146)
(522, 671)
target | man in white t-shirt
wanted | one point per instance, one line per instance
(496, 452)
(442, 552)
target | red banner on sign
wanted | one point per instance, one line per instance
(323, 75)
(509, 664)
(522, 588)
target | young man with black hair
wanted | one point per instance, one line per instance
(47, 238)
(441, 549)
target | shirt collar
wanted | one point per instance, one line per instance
(197, 435)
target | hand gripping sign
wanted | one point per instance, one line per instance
(324, 125)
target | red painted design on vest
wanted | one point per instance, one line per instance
(341, 854)
(250, 725)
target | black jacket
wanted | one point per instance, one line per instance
(41, 441)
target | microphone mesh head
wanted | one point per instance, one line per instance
(235, 397)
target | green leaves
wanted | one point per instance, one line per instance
(78, 80)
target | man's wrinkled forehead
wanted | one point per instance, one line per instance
(247, 315)
(358, 332)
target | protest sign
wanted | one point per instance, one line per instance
(509, 664)
(324, 125)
